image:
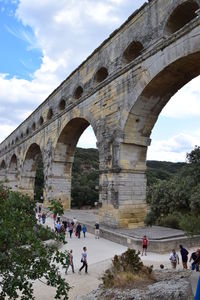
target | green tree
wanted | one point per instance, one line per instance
(56, 207)
(24, 258)
(175, 200)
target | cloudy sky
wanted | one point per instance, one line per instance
(42, 41)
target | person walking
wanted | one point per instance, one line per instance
(184, 255)
(70, 262)
(84, 261)
(78, 230)
(43, 218)
(96, 230)
(70, 229)
(144, 245)
(84, 230)
(174, 258)
(196, 262)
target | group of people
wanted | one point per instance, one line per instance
(174, 257)
(194, 258)
(69, 226)
(70, 262)
(41, 215)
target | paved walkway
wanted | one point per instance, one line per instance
(90, 217)
(100, 252)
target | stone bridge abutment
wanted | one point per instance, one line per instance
(120, 91)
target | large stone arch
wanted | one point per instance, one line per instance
(31, 157)
(137, 131)
(13, 173)
(159, 78)
(3, 171)
(59, 179)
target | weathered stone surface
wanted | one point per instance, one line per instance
(172, 285)
(119, 90)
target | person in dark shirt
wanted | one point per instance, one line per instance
(78, 230)
(196, 260)
(184, 255)
(96, 230)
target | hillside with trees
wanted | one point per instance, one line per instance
(85, 176)
(175, 202)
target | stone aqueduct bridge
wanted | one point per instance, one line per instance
(120, 91)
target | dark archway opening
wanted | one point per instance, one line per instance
(181, 16)
(132, 51)
(101, 74)
(78, 92)
(39, 181)
(32, 179)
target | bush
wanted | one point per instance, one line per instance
(150, 219)
(190, 224)
(171, 221)
(44, 233)
(126, 269)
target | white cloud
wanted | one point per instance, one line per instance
(175, 148)
(6, 130)
(186, 102)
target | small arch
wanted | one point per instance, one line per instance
(181, 16)
(12, 142)
(101, 74)
(22, 135)
(62, 104)
(27, 131)
(17, 139)
(41, 120)
(3, 165)
(33, 126)
(133, 50)
(13, 162)
(78, 92)
(50, 114)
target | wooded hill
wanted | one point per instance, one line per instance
(85, 175)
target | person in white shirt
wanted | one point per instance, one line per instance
(174, 259)
(84, 261)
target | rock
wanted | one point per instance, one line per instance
(171, 285)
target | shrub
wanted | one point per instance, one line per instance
(150, 219)
(44, 233)
(171, 221)
(126, 269)
(190, 224)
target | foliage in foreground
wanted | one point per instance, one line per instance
(176, 202)
(56, 207)
(24, 258)
(126, 270)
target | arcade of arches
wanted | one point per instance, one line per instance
(120, 91)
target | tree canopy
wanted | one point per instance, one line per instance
(24, 257)
(175, 201)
